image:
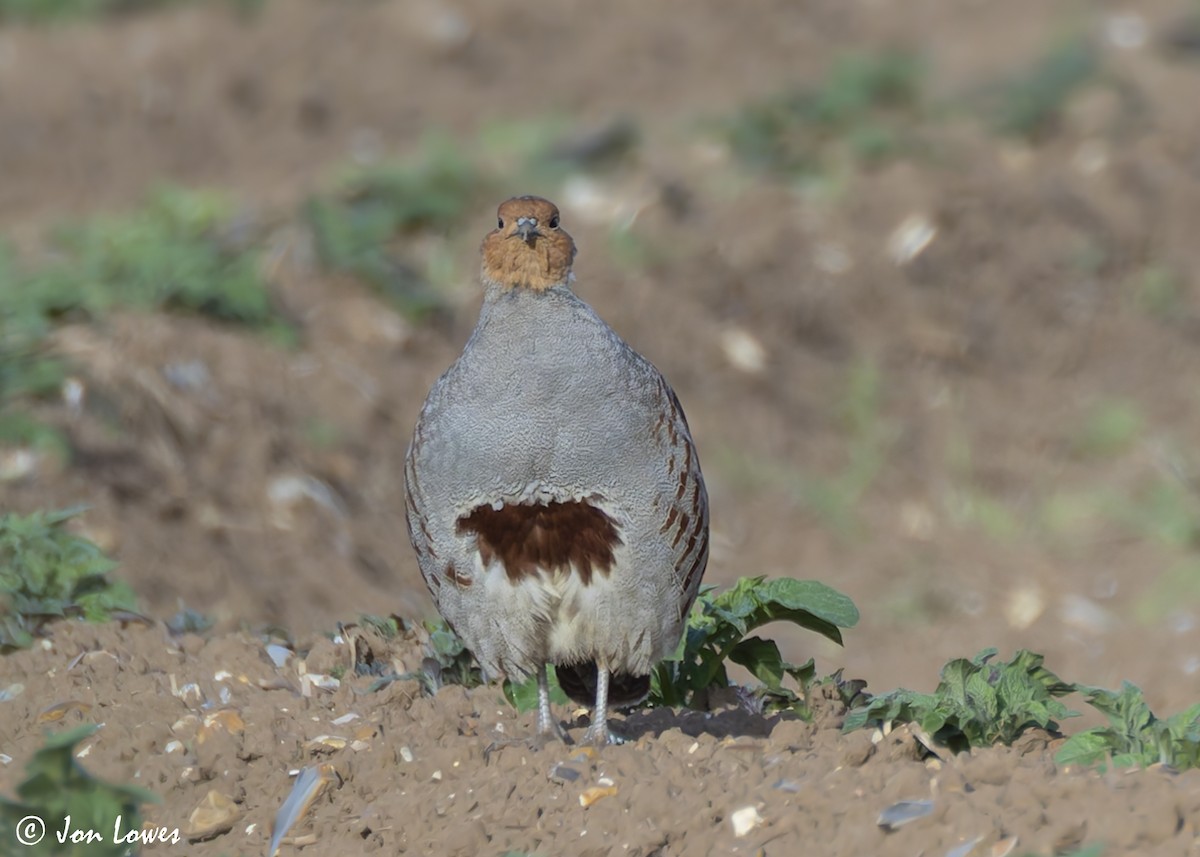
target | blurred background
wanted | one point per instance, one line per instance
(924, 275)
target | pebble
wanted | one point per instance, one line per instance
(1085, 615)
(18, 464)
(1024, 605)
(910, 239)
(564, 774)
(743, 351)
(899, 814)
(1126, 31)
(595, 793)
(744, 820)
(189, 375)
(965, 848)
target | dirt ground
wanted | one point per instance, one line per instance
(1059, 283)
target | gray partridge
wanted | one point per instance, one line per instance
(554, 494)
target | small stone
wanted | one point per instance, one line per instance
(215, 814)
(910, 239)
(73, 391)
(743, 351)
(1025, 604)
(564, 774)
(406, 754)
(1126, 31)
(744, 820)
(965, 849)
(278, 654)
(595, 793)
(1085, 615)
(18, 464)
(189, 376)
(327, 742)
(583, 755)
(899, 814)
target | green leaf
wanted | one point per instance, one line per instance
(1084, 748)
(454, 663)
(978, 702)
(1134, 735)
(717, 629)
(762, 658)
(523, 696)
(46, 572)
(356, 230)
(56, 786)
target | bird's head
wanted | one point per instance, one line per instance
(527, 249)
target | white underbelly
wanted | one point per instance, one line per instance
(597, 621)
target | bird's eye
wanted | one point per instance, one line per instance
(500, 223)
(554, 222)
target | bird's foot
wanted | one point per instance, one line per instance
(548, 729)
(536, 742)
(599, 735)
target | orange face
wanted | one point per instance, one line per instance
(527, 249)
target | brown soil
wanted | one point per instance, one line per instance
(988, 523)
(409, 773)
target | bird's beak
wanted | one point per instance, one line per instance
(527, 229)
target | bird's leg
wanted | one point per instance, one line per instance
(598, 734)
(548, 726)
(548, 729)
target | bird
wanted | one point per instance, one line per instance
(553, 491)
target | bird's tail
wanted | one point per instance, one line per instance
(578, 681)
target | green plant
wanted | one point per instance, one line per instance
(869, 435)
(1030, 104)
(27, 371)
(1110, 428)
(41, 11)
(183, 250)
(1158, 292)
(1167, 510)
(1176, 586)
(717, 632)
(1134, 736)
(977, 702)
(47, 573)
(455, 665)
(788, 132)
(388, 627)
(20, 428)
(523, 696)
(446, 661)
(358, 229)
(57, 786)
